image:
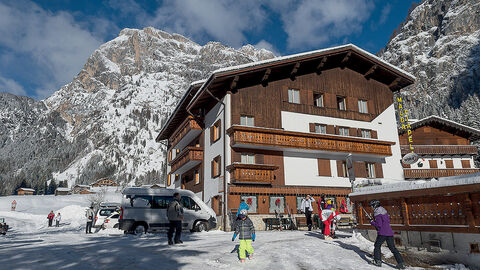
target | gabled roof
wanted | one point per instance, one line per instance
(246, 75)
(26, 189)
(448, 125)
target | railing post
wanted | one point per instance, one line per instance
(405, 212)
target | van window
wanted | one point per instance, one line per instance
(161, 202)
(189, 203)
(141, 201)
(106, 212)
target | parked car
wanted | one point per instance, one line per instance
(3, 226)
(105, 210)
(145, 209)
(111, 221)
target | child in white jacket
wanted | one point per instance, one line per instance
(58, 218)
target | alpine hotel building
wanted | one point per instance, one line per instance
(272, 131)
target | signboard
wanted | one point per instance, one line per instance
(252, 203)
(277, 204)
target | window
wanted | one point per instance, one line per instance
(106, 212)
(170, 155)
(362, 106)
(318, 100)
(216, 167)
(466, 163)
(322, 129)
(141, 201)
(433, 164)
(343, 131)
(341, 105)
(293, 96)
(449, 164)
(215, 132)
(188, 203)
(247, 121)
(344, 169)
(248, 158)
(161, 202)
(366, 133)
(370, 170)
(196, 177)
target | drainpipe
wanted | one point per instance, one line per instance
(224, 159)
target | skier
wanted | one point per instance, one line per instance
(307, 208)
(89, 214)
(328, 216)
(384, 233)
(175, 217)
(246, 234)
(50, 217)
(321, 205)
(58, 218)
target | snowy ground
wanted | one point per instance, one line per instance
(33, 245)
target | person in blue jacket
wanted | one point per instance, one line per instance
(243, 205)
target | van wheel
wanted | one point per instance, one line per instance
(201, 226)
(140, 229)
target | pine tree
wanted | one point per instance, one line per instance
(52, 187)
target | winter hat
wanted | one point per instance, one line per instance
(243, 213)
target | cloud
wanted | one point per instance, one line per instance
(263, 44)
(311, 23)
(385, 12)
(53, 46)
(225, 21)
(11, 86)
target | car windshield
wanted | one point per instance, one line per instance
(106, 212)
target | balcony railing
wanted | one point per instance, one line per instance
(441, 149)
(435, 173)
(187, 159)
(252, 173)
(254, 137)
(185, 128)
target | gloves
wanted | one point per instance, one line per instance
(234, 236)
(253, 237)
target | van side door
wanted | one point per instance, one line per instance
(159, 212)
(141, 207)
(191, 211)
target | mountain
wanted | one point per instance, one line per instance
(104, 123)
(439, 44)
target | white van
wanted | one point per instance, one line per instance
(145, 209)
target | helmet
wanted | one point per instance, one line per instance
(329, 201)
(374, 203)
(243, 213)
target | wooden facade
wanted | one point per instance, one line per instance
(25, 191)
(442, 144)
(105, 182)
(189, 154)
(438, 209)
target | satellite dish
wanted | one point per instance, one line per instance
(410, 158)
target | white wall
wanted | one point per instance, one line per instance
(210, 185)
(384, 124)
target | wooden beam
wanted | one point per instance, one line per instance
(394, 83)
(345, 60)
(370, 72)
(293, 74)
(233, 85)
(265, 77)
(321, 65)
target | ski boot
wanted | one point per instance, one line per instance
(376, 263)
(401, 266)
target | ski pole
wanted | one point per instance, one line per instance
(366, 213)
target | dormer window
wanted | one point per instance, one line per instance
(247, 121)
(318, 100)
(341, 104)
(293, 96)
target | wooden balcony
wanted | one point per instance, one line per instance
(441, 149)
(277, 139)
(185, 133)
(435, 173)
(186, 160)
(252, 173)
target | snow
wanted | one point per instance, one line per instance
(468, 179)
(28, 189)
(31, 244)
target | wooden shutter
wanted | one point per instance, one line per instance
(219, 165)
(352, 104)
(324, 167)
(330, 129)
(219, 129)
(212, 165)
(308, 97)
(433, 164)
(339, 168)
(352, 132)
(359, 132)
(360, 169)
(373, 134)
(312, 127)
(212, 134)
(378, 170)
(260, 158)
(370, 106)
(337, 132)
(466, 164)
(449, 164)
(405, 165)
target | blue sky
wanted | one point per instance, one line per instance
(45, 43)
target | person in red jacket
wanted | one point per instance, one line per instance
(50, 218)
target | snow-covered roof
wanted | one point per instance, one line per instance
(474, 133)
(85, 186)
(153, 191)
(458, 180)
(27, 189)
(63, 189)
